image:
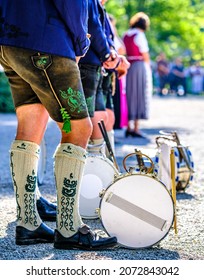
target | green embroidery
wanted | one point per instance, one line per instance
(30, 210)
(74, 99)
(66, 118)
(41, 62)
(69, 189)
(31, 182)
(76, 103)
(68, 150)
(29, 200)
(23, 146)
(67, 203)
(18, 208)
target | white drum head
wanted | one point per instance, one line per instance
(138, 210)
(98, 175)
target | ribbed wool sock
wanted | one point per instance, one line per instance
(96, 146)
(68, 170)
(23, 163)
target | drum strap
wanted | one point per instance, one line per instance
(137, 211)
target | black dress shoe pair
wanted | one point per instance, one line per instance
(84, 239)
(46, 210)
(43, 234)
(133, 134)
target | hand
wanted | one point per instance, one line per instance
(112, 61)
(123, 66)
(77, 59)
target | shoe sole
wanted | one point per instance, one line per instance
(33, 241)
(80, 247)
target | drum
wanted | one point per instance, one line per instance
(163, 167)
(161, 160)
(183, 156)
(186, 167)
(137, 209)
(98, 175)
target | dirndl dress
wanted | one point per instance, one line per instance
(139, 90)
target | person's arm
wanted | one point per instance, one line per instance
(141, 41)
(75, 16)
(146, 57)
(99, 43)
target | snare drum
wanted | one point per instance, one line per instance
(98, 175)
(164, 165)
(184, 157)
(138, 210)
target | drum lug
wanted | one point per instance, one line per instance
(101, 194)
(97, 211)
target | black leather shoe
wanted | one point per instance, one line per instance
(84, 239)
(43, 234)
(46, 210)
(134, 134)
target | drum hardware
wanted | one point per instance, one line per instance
(99, 173)
(174, 137)
(173, 188)
(140, 161)
(141, 207)
(139, 156)
(186, 164)
(108, 144)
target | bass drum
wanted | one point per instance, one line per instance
(98, 175)
(138, 210)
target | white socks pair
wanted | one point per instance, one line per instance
(68, 170)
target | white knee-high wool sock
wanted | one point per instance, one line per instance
(68, 170)
(23, 163)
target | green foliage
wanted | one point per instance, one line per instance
(177, 27)
(6, 101)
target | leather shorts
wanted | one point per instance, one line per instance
(43, 78)
(92, 78)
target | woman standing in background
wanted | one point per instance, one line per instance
(139, 76)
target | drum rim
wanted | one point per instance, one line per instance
(103, 158)
(110, 165)
(179, 186)
(171, 198)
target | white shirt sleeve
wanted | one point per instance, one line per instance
(141, 41)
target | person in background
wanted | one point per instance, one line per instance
(100, 56)
(163, 73)
(177, 77)
(110, 79)
(45, 81)
(196, 73)
(119, 97)
(139, 76)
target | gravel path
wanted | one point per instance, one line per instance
(185, 115)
